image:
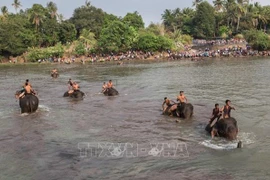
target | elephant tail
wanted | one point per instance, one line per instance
(31, 106)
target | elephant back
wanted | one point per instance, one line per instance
(77, 94)
(111, 92)
(29, 104)
(66, 94)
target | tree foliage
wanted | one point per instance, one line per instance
(92, 29)
(134, 19)
(204, 20)
(117, 36)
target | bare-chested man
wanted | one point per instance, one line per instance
(70, 84)
(169, 105)
(75, 87)
(182, 98)
(110, 84)
(104, 87)
(27, 90)
(54, 71)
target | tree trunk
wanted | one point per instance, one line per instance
(238, 22)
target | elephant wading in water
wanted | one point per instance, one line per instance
(76, 94)
(110, 92)
(55, 75)
(183, 110)
(28, 103)
(226, 128)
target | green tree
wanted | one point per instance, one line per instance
(88, 17)
(88, 39)
(4, 11)
(168, 19)
(16, 4)
(258, 40)
(219, 5)
(52, 8)
(15, 38)
(37, 15)
(67, 33)
(195, 3)
(157, 29)
(134, 19)
(204, 21)
(148, 41)
(117, 36)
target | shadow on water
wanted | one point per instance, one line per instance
(46, 144)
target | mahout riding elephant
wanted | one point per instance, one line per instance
(55, 75)
(76, 94)
(28, 102)
(184, 110)
(226, 128)
(110, 92)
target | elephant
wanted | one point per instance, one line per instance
(110, 92)
(28, 103)
(75, 94)
(55, 75)
(226, 128)
(184, 111)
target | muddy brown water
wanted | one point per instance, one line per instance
(88, 139)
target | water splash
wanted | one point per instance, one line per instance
(219, 145)
(222, 144)
(43, 108)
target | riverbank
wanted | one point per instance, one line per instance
(196, 53)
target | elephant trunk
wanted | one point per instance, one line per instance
(239, 144)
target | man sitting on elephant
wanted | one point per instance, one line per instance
(227, 109)
(110, 84)
(172, 107)
(27, 91)
(70, 84)
(182, 101)
(216, 114)
(104, 87)
(75, 87)
(54, 71)
(182, 98)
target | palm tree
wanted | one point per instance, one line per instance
(4, 11)
(88, 38)
(240, 9)
(61, 18)
(196, 2)
(87, 3)
(168, 19)
(52, 7)
(16, 4)
(261, 17)
(36, 15)
(219, 5)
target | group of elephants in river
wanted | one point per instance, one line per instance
(226, 128)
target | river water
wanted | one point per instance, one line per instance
(69, 139)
